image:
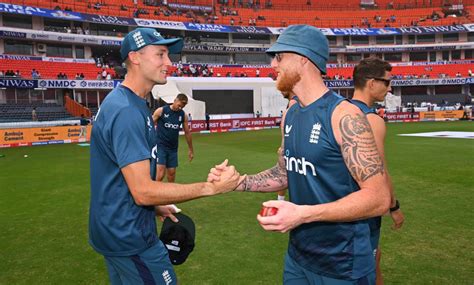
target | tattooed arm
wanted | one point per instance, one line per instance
(273, 179)
(270, 180)
(359, 150)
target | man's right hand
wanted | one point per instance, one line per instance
(216, 172)
(228, 178)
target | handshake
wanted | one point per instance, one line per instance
(276, 216)
(225, 178)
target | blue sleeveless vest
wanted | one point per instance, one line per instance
(317, 174)
(168, 128)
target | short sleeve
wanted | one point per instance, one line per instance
(129, 141)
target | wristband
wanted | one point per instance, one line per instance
(396, 207)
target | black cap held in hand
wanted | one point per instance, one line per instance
(178, 238)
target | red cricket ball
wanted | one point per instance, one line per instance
(268, 211)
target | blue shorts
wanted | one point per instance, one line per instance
(294, 274)
(169, 158)
(374, 240)
(152, 266)
(375, 225)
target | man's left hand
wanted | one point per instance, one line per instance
(167, 211)
(190, 155)
(398, 219)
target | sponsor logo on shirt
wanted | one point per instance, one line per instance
(154, 152)
(298, 165)
(149, 124)
(172, 126)
(288, 130)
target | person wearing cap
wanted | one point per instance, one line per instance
(125, 198)
(169, 120)
(331, 166)
(371, 84)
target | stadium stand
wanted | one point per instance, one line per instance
(93, 111)
(431, 71)
(19, 112)
(51, 70)
(334, 13)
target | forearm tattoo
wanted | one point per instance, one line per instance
(268, 180)
(359, 149)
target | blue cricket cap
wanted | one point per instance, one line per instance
(306, 41)
(142, 37)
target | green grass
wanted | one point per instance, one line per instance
(45, 199)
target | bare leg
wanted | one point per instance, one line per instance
(171, 174)
(160, 172)
(378, 278)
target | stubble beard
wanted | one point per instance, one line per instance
(287, 83)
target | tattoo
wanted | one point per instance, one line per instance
(268, 180)
(359, 149)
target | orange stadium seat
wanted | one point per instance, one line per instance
(434, 71)
(327, 14)
(50, 70)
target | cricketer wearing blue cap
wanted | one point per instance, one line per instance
(125, 197)
(330, 163)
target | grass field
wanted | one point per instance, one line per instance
(45, 199)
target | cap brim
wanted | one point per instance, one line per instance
(174, 45)
(279, 47)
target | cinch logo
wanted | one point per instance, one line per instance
(149, 124)
(172, 126)
(154, 151)
(299, 165)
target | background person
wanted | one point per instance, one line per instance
(34, 115)
(371, 84)
(169, 120)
